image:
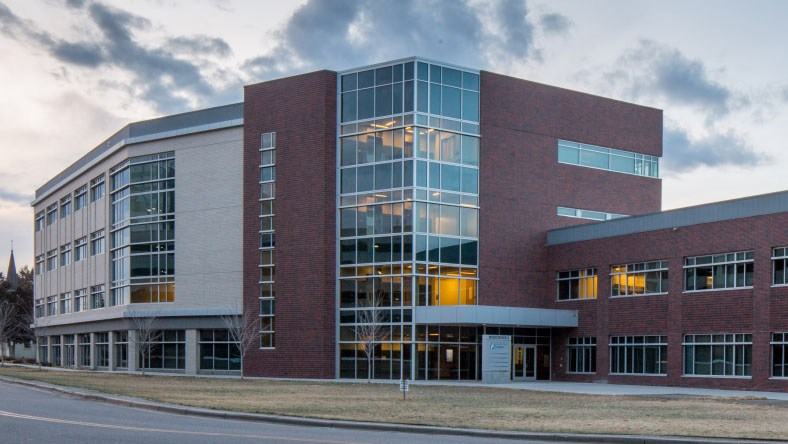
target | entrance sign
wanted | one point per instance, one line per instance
(496, 358)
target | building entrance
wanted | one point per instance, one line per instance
(523, 362)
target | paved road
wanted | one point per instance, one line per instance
(29, 415)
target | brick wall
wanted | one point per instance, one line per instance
(522, 183)
(760, 310)
(302, 112)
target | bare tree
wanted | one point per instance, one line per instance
(243, 329)
(8, 326)
(370, 328)
(147, 334)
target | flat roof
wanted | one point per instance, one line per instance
(759, 205)
(146, 130)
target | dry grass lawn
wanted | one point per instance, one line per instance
(471, 407)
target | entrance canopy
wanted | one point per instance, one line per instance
(492, 315)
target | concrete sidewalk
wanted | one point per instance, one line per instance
(588, 388)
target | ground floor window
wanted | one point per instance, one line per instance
(54, 349)
(68, 351)
(446, 352)
(780, 355)
(582, 355)
(639, 355)
(718, 355)
(167, 352)
(218, 351)
(102, 349)
(387, 360)
(121, 349)
(43, 349)
(84, 350)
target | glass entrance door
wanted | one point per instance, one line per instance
(524, 363)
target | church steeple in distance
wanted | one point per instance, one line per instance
(11, 276)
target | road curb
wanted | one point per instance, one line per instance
(371, 426)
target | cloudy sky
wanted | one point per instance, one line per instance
(75, 71)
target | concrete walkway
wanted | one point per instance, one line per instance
(619, 389)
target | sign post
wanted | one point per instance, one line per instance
(403, 387)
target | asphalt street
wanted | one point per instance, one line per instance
(29, 415)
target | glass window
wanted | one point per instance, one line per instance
(80, 249)
(80, 197)
(779, 265)
(719, 271)
(576, 153)
(582, 355)
(452, 98)
(366, 103)
(639, 279)
(780, 355)
(470, 106)
(639, 355)
(97, 243)
(718, 355)
(577, 284)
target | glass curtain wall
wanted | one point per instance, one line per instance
(143, 230)
(408, 209)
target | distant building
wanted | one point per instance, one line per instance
(504, 229)
(11, 276)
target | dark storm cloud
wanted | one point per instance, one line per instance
(163, 76)
(343, 33)
(683, 154)
(555, 23)
(654, 70)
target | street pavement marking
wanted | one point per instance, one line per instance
(183, 432)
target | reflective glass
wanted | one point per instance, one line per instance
(366, 103)
(451, 102)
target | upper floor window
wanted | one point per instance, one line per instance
(779, 266)
(639, 279)
(577, 284)
(610, 159)
(97, 188)
(80, 249)
(65, 206)
(97, 242)
(39, 223)
(51, 259)
(40, 263)
(80, 197)
(408, 87)
(65, 255)
(587, 214)
(718, 271)
(52, 214)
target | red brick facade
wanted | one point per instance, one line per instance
(760, 310)
(301, 110)
(521, 182)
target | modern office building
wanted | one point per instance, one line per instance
(147, 225)
(419, 220)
